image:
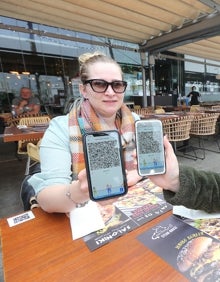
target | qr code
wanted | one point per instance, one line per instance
(148, 142)
(21, 218)
(103, 155)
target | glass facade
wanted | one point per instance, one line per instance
(46, 60)
(203, 74)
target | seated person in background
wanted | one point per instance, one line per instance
(187, 186)
(194, 95)
(62, 183)
(26, 103)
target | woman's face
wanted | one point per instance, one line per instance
(108, 103)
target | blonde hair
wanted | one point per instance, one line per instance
(87, 59)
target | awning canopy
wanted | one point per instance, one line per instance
(178, 24)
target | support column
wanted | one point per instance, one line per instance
(151, 61)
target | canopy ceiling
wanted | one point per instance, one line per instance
(145, 22)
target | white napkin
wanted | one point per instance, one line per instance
(21, 126)
(193, 214)
(85, 220)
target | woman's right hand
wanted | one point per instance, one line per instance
(169, 180)
(83, 187)
(83, 190)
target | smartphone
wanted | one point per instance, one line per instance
(150, 148)
(104, 165)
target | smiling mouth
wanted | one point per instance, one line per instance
(109, 101)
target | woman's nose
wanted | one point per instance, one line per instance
(110, 91)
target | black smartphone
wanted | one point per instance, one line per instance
(104, 165)
(150, 148)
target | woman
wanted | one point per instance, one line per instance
(62, 183)
(187, 186)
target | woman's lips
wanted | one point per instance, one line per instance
(110, 101)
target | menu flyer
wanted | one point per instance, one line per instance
(191, 251)
(210, 226)
(143, 202)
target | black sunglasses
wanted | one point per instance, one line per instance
(100, 85)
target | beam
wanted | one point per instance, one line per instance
(205, 28)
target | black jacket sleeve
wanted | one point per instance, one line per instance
(198, 190)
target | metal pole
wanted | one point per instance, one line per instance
(143, 64)
(152, 81)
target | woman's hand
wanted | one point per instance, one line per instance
(169, 180)
(84, 190)
(133, 177)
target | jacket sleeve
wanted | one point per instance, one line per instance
(198, 190)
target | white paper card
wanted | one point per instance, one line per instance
(20, 218)
(193, 214)
(85, 220)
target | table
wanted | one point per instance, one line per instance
(210, 111)
(12, 134)
(42, 249)
(163, 116)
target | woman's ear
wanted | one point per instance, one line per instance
(82, 90)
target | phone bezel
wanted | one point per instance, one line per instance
(86, 156)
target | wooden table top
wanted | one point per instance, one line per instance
(172, 115)
(42, 249)
(163, 116)
(12, 133)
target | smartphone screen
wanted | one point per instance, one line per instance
(149, 145)
(104, 165)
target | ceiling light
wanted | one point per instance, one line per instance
(14, 72)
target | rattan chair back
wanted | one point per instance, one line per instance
(177, 129)
(159, 111)
(30, 121)
(33, 155)
(143, 111)
(196, 108)
(216, 107)
(204, 124)
(33, 151)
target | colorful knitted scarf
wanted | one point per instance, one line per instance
(82, 118)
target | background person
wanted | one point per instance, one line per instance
(194, 95)
(62, 183)
(187, 186)
(26, 103)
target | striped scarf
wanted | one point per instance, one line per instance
(82, 118)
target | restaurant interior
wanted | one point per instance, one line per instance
(163, 52)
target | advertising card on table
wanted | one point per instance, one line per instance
(142, 203)
(189, 250)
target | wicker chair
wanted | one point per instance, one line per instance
(30, 121)
(14, 121)
(196, 108)
(216, 107)
(204, 125)
(178, 130)
(143, 111)
(159, 111)
(33, 155)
